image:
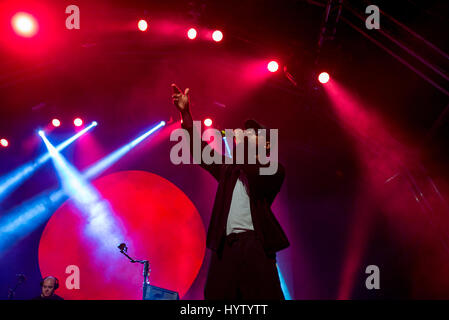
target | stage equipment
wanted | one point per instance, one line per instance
(149, 292)
(21, 278)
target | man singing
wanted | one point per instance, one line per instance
(243, 233)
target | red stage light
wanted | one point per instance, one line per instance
(142, 25)
(24, 24)
(4, 143)
(208, 122)
(191, 34)
(273, 66)
(78, 122)
(217, 36)
(55, 122)
(324, 77)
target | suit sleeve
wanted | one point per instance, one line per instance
(187, 124)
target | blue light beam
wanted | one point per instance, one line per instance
(29, 215)
(227, 147)
(112, 158)
(284, 287)
(87, 199)
(14, 179)
(26, 217)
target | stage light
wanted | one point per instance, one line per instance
(273, 66)
(14, 179)
(227, 147)
(284, 287)
(55, 122)
(142, 25)
(25, 218)
(78, 122)
(208, 122)
(112, 158)
(323, 77)
(102, 225)
(4, 143)
(76, 136)
(217, 36)
(22, 220)
(191, 34)
(24, 24)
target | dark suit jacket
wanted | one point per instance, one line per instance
(262, 191)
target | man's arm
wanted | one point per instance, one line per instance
(182, 103)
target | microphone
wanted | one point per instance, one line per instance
(122, 247)
(21, 277)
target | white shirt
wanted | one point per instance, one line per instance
(239, 218)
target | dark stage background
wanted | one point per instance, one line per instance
(338, 205)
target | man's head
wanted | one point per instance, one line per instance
(251, 132)
(246, 149)
(49, 285)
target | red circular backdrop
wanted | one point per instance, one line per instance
(156, 220)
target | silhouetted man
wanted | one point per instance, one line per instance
(243, 233)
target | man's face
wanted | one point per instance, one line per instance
(48, 287)
(253, 138)
(240, 135)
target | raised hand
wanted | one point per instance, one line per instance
(180, 100)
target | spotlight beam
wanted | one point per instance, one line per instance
(26, 217)
(112, 158)
(227, 147)
(29, 215)
(102, 225)
(14, 179)
(284, 287)
(66, 143)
